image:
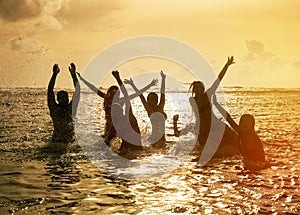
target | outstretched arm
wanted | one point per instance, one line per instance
(183, 131)
(50, 93)
(162, 90)
(124, 91)
(92, 87)
(141, 91)
(72, 69)
(217, 82)
(75, 99)
(229, 119)
(120, 82)
(76, 95)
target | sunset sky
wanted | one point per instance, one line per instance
(263, 36)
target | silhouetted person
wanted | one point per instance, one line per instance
(110, 131)
(152, 106)
(250, 145)
(201, 99)
(175, 126)
(128, 128)
(201, 105)
(61, 111)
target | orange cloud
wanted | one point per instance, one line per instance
(14, 10)
(27, 45)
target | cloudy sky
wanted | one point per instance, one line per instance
(263, 36)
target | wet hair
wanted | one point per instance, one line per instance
(194, 85)
(247, 122)
(62, 97)
(152, 96)
(109, 96)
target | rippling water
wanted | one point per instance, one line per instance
(39, 177)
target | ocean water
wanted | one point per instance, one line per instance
(39, 177)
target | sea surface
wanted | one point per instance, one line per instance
(40, 177)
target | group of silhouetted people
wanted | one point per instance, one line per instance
(241, 137)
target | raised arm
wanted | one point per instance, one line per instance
(72, 69)
(76, 95)
(50, 93)
(162, 90)
(217, 82)
(229, 119)
(182, 131)
(141, 91)
(120, 82)
(92, 87)
(144, 89)
(137, 92)
(124, 91)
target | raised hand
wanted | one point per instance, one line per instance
(154, 82)
(230, 61)
(55, 69)
(163, 75)
(128, 81)
(116, 74)
(72, 68)
(175, 117)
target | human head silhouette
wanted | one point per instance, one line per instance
(197, 88)
(111, 92)
(247, 123)
(62, 98)
(109, 96)
(152, 98)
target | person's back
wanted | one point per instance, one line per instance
(157, 115)
(251, 146)
(126, 124)
(128, 130)
(155, 111)
(62, 122)
(61, 111)
(201, 104)
(202, 108)
(252, 149)
(249, 143)
(109, 129)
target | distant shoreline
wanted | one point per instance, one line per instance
(225, 89)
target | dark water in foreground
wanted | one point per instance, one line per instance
(36, 177)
